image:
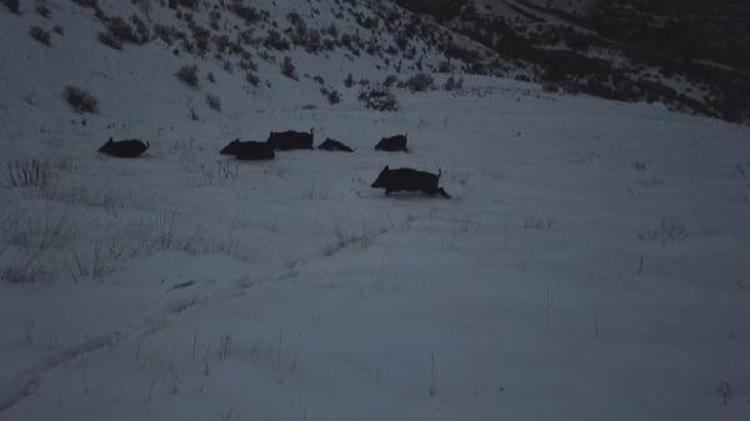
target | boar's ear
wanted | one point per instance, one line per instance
(110, 140)
(386, 168)
(147, 145)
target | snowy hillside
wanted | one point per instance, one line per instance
(592, 263)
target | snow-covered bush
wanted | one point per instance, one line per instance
(379, 99)
(81, 100)
(188, 75)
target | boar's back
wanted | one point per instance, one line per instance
(290, 140)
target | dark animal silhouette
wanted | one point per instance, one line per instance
(393, 143)
(284, 141)
(130, 148)
(249, 151)
(334, 145)
(409, 180)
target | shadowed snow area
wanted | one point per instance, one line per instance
(591, 265)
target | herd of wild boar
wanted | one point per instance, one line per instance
(392, 180)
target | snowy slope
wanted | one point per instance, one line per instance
(592, 264)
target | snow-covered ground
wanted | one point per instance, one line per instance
(591, 265)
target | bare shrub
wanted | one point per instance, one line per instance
(213, 102)
(533, 222)
(349, 81)
(420, 82)
(249, 14)
(28, 174)
(379, 100)
(81, 100)
(668, 231)
(390, 80)
(119, 32)
(26, 270)
(42, 10)
(276, 41)
(188, 4)
(109, 40)
(252, 78)
(287, 68)
(188, 75)
(40, 35)
(217, 172)
(12, 5)
(453, 84)
(332, 95)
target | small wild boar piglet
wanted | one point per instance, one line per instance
(392, 144)
(130, 148)
(249, 151)
(283, 141)
(409, 180)
(334, 145)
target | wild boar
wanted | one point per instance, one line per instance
(334, 145)
(283, 141)
(249, 150)
(130, 148)
(410, 180)
(393, 143)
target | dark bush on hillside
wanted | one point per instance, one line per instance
(166, 33)
(453, 84)
(188, 4)
(213, 102)
(390, 80)
(12, 5)
(332, 95)
(349, 81)
(188, 75)
(119, 32)
(420, 82)
(81, 100)
(276, 41)
(40, 35)
(109, 40)
(287, 68)
(252, 78)
(43, 11)
(249, 14)
(379, 100)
